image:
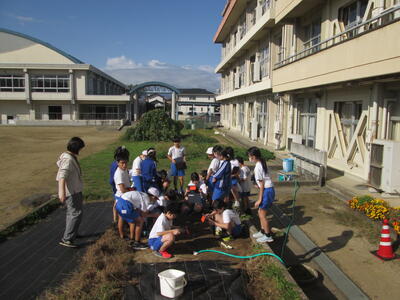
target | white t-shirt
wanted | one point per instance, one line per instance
(121, 177)
(245, 176)
(135, 166)
(139, 200)
(234, 163)
(161, 224)
(176, 152)
(260, 175)
(203, 187)
(229, 215)
(214, 165)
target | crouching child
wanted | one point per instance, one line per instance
(162, 235)
(223, 217)
(132, 208)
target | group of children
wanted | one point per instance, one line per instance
(143, 195)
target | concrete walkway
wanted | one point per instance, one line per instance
(34, 261)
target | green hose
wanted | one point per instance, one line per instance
(296, 188)
(238, 256)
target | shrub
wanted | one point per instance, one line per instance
(154, 125)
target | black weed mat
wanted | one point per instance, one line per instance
(33, 260)
(205, 280)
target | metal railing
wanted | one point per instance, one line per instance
(388, 16)
(102, 116)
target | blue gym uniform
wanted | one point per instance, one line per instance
(126, 210)
(175, 171)
(268, 198)
(223, 184)
(113, 168)
(149, 173)
(155, 243)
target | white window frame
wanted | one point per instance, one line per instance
(12, 83)
(50, 83)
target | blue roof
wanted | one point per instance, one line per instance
(74, 59)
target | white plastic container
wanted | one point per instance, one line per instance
(172, 283)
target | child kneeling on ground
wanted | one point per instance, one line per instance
(131, 208)
(227, 219)
(162, 235)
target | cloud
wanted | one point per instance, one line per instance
(23, 19)
(187, 76)
(207, 68)
(121, 62)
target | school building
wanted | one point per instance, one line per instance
(194, 102)
(317, 78)
(40, 84)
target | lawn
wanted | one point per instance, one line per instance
(96, 167)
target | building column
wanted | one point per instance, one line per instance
(173, 106)
(71, 86)
(135, 107)
(27, 87)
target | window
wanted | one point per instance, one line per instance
(264, 61)
(50, 83)
(55, 112)
(242, 26)
(234, 115)
(353, 14)
(312, 34)
(261, 120)
(242, 74)
(393, 121)
(279, 47)
(192, 97)
(102, 112)
(241, 116)
(349, 114)
(265, 4)
(307, 121)
(12, 83)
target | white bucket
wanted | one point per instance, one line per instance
(172, 283)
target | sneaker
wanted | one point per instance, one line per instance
(67, 244)
(258, 235)
(139, 246)
(265, 239)
(236, 204)
(228, 238)
(156, 253)
(165, 254)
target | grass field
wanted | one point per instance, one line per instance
(28, 161)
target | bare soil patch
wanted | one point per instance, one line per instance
(29, 156)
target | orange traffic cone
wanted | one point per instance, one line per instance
(385, 251)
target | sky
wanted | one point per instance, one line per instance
(135, 41)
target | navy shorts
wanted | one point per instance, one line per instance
(219, 194)
(175, 171)
(155, 243)
(237, 231)
(126, 210)
(268, 198)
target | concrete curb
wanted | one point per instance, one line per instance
(340, 279)
(276, 262)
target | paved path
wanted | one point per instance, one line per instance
(34, 261)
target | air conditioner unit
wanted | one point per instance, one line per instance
(384, 171)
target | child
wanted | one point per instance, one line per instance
(149, 169)
(245, 184)
(137, 171)
(121, 178)
(193, 194)
(163, 181)
(222, 178)
(225, 218)
(114, 165)
(132, 207)
(266, 194)
(236, 186)
(162, 236)
(213, 154)
(177, 156)
(203, 185)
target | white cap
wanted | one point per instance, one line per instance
(144, 152)
(154, 192)
(209, 151)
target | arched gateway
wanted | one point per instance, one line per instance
(143, 90)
